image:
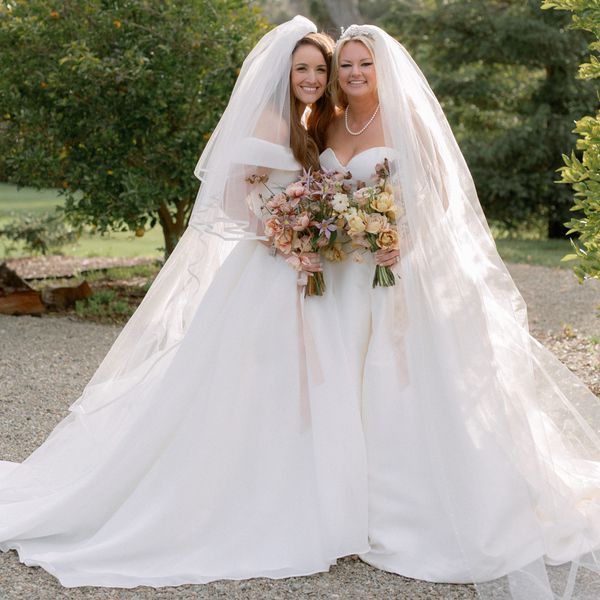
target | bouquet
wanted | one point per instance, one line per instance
(301, 219)
(369, 215)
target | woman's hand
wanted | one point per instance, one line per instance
(387, 258)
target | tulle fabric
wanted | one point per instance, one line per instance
(497, 429)
(259, 107)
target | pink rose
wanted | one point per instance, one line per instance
(283, 242)
(276, 201)
(273, 227)
(295, 190)
(302, 222)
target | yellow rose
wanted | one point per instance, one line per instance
(356, 225)
(388, 240)
(383, 202)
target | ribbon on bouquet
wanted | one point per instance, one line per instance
(310, 365)
(298, 263)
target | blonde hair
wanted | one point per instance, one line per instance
(338, 97)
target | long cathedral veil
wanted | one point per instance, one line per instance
(258, 113)
(462, 313)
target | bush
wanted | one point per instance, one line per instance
(583, 174)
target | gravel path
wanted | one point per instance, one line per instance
(45, 363)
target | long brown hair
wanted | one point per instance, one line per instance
(307, 143)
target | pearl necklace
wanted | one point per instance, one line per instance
(368, 122)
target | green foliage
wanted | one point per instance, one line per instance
(104, 305)
(583, 174)
(504, 72)
(114, 101)
(40, 233)
(123, 273)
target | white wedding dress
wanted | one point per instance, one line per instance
(241, 454)
(420, 486)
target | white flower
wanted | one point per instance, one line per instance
(340, 202)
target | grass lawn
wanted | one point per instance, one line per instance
(28, 200)
(539, 252)
(547, 253)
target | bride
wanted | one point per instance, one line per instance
(481, 467)
(236, 429)
(219, 439)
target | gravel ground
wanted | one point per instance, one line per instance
(45, 363)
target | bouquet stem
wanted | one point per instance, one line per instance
(384, 277)
(315, 285)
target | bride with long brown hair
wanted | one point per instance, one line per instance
(217, 440)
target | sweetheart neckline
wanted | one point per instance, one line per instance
(345, 166)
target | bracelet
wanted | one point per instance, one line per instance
(273, 251)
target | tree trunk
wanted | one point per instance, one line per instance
(344, 13)
(173, 227)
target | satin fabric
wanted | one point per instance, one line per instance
(423, 450)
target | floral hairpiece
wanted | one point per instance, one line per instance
(356, 31)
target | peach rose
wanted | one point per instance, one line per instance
(283, 242)
(375, 223)
(273, 227)
(388, 239)
(302, 222)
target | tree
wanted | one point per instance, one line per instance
(327, 14)
(504, 72)
(583, 174)
(115, 101)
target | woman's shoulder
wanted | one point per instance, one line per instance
(265, 153)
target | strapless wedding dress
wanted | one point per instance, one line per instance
(421, 486)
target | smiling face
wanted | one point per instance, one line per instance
(309, 74)
(356, 71)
